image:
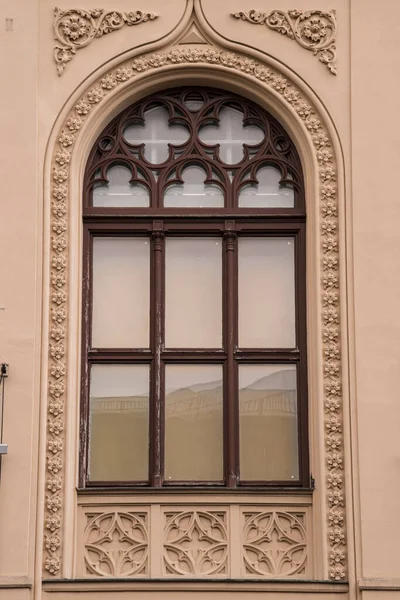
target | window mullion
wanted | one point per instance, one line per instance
(157, 342)
(230, 393)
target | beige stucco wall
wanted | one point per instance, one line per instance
(362, 104)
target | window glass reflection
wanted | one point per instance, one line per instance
(193, 423)
(268, 423)
(119, 422)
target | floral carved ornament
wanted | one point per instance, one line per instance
(314, 30)
(327, 200)
(75, 28)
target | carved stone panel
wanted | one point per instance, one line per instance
(159, 540)
(116, 544)
(274, 543)
(196, 543)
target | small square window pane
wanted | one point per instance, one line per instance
(266, 293)
(121, 288)
(119, 423)
(193, 423)
(193, 293)
(268, 423)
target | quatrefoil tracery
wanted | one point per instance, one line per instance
(238, 147)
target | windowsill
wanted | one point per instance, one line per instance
(170, 490)
(293, 586)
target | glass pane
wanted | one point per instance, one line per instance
(193, 423)
(194, 192)
(119, 422)
(267, 192)
(193, 293)
(231, 135)
(266, 293)
(268, 423)
(118, 191)
(121, 288)
(156, 134)
(194, 105)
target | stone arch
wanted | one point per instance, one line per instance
(76, 130)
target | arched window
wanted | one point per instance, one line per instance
(194, 326)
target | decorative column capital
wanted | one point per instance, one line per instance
(230, 239)
(158, 238)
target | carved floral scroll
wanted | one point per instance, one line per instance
(314, 30)
(76, 28)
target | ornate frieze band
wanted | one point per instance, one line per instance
(328, 203)
(314, 30)
(76, 28)
(194, 541)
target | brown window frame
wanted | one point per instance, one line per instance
(229, 223)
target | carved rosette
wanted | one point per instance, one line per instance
(76, 28)
(116, 544)
(314, 30)
(196, 544)
(274, 544)
(206, 55)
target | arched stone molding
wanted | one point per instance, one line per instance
(275, 89)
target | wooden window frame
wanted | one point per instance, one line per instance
(230, 223)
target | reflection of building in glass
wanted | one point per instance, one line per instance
(274, 393)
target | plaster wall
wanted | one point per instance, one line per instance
(363, 103)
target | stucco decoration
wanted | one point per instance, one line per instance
(76, 28)
(274, 544)
(314, 30)
(196, 544)
(297, 103)
(116, 544)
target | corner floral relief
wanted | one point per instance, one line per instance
(314, 30)
(76, 28)
(329, 285)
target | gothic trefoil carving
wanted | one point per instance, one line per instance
(314, 30)
(116, 544)
(76, 28)
(196, 544)
(274, 544)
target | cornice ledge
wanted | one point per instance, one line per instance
(76, 28)
(15, 582)
(314, 30)
(379, 583)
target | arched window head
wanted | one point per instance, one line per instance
(194, 356)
